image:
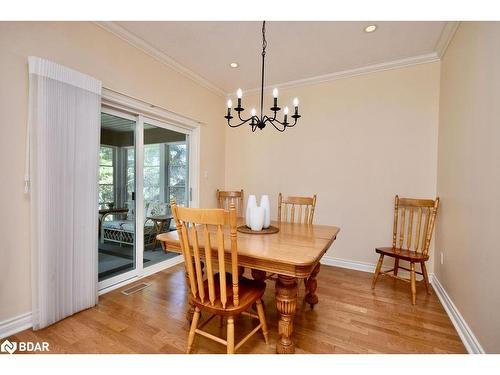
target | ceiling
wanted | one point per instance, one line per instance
(296, 50)
(122, 125)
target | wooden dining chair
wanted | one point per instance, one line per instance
(296, 209)
(218, 293)
(410, 242)
(225, 198)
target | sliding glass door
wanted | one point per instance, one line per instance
(144, 164)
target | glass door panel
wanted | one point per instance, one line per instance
(165, 177)
(178, 172)
(117, 244)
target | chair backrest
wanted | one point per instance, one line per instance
(194, 235)
(225, 198)
(413, 223)
(296, 209)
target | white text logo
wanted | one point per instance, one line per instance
(24, 346)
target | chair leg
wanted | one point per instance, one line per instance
(413, 284)
(396, 266)
(194, 325)
(426, 277)
(262, 319)
(230, 335)
(377, 270)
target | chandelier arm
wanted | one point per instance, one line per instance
(239, 116)
(273, 120)
(292, 125)
(273, 124)
(238, 125)
(274, 116)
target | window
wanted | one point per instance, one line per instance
(152, 172)
(106, 176)
(178, 168)
(165, 172)
(130, 173)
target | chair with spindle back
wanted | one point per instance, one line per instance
(410, 243)
(225, 198)
(297, 210)
(290, 209)
(219, 293)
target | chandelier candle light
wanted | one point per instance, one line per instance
(261, 121)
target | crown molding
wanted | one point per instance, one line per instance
(444, 40)
(395, 64)
(446, 36)
(145, 47)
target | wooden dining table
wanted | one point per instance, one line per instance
(293, 254)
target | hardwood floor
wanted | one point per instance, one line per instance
(350, 318)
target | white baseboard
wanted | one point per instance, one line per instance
(14, 325)
(349, 264)
(469, 340)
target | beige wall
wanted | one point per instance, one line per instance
(89, 49)
(360, 141)
(469, 178)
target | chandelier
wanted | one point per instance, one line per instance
(260, 121)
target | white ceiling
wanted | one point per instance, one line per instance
(295, 50)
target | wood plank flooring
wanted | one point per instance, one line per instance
(350, 318)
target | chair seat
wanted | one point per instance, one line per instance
(249, 291)
(405, 254)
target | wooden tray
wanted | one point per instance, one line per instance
(270, 230)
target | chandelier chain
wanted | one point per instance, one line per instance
(264, 41)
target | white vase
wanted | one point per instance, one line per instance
(256, 218)
(264, 203)
(252, 202)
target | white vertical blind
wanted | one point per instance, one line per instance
(64, 131)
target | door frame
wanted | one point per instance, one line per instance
(122, 105)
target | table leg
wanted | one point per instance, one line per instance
(311, 286)
(258, 275)
(286, 303)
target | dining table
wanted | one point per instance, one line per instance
(293, 254)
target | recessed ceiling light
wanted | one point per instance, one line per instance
(234, 65)
(370, 28)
